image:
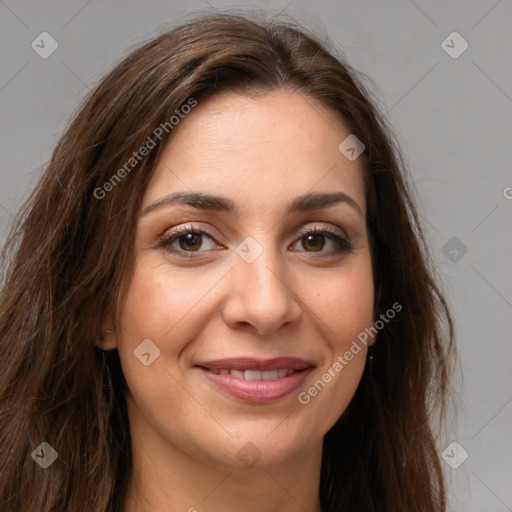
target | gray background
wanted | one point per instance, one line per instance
(452, 117)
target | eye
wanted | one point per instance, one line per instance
(317, 239)
(186, 240)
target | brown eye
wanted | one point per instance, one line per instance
(313, 241)
(190, 241)
(187, 241)
(325, 242)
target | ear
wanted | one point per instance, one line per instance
(372, 339)
(108, 338)
(373, 328)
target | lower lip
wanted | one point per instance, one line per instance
(258, 391)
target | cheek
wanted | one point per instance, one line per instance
(350, 314)
(344, 309)
(167, 306)
(344, 302)
(157, 303)
(160, 314)
(351, 310)
(149, 305)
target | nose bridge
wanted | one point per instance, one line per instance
(265, 275)
(264, 271)
(261, 297)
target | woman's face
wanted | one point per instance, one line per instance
(268, 276)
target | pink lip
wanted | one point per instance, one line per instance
(257, 391)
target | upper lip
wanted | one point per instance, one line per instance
(250, 363)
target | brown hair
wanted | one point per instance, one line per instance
(69, 251)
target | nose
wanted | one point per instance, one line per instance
(261, 300)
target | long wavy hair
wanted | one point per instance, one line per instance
(69, 251)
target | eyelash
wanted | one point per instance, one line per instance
(344, 245)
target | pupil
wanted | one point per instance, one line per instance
(191, 241)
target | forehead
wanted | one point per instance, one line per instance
(257, 148)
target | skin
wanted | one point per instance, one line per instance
(261, 152)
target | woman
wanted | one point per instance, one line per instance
(219, 297)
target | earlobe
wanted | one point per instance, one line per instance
(108, 340)
(373, 335)
(372, 332)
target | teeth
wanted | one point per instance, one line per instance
(256, 374)
(252, 375)
(269, 375)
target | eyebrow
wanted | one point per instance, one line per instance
(201, 201)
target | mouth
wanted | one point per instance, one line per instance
(256, 380)
(280, 373)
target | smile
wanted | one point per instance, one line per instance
(256, 381)
(256, 374)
